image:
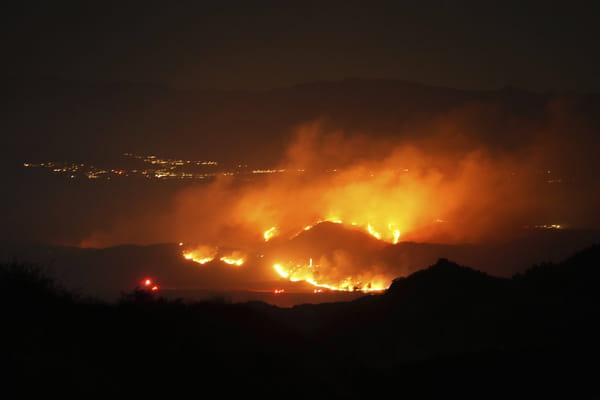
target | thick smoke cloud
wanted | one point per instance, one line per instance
(479, 174)
(451, 169)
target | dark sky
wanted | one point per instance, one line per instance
(262, 44)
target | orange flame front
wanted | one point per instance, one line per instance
(310, 272)
(201, 254)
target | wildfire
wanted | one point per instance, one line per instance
(310, 272)
(270, 233)
(233, 261)
(201, 255)
(373, 232)
(206, 254)
(317, 275)
(390, 235)
(396, 236)
(281, 271)
(380, 197)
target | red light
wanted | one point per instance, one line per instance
(147, 282)
(154, 288)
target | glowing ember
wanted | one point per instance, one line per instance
(278, 291)
(154, 288)
(270, 233)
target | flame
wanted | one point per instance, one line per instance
(236, 258)
(309, 272)
(201, 254)
(282, 272)
(373, 232)
(206, 254)
(395, 193)
(270, 233)
(390, 235)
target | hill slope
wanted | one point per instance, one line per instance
(446, 329)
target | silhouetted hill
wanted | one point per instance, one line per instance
(326, 237)
(444, 277)
(447, 329)
(107, 272)
(576, 274)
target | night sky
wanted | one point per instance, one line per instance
(264, 44)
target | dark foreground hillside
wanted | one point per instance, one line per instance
(444, 330)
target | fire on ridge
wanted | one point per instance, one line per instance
(311, 272)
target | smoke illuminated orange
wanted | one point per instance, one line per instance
(392, 191)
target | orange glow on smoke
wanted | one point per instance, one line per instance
(414, 192)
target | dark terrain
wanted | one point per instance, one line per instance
(444, 330)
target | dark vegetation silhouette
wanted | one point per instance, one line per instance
(444, 330)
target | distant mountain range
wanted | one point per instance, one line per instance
(67, 120)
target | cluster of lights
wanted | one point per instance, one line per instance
(162, 168)
(548, 226)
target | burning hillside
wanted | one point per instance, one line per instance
(442, 188)
(328, 256)
(404, 193)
